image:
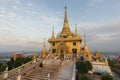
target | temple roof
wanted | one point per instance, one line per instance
(97, 53)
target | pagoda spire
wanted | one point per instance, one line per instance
(53, 33)
(43, 52)
(76, 31)
(44, 46)
(66, 29)
(87, 53)
(65, 17)
(85, 44)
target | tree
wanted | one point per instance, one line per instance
(11, 64)
(112, 63)
(3, 67)
(89, 65)
(85, 77)
(18, 62)
(27, 59)
(107, 76)
(81, 67)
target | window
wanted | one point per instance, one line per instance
(74, 43)
(53, 50)
(64, 36)
(53, 44)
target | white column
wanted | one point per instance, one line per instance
(34, 60)
(19, 75)
(5, 74)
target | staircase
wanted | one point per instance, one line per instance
(42, 74)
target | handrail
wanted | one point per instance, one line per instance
(1, 76)
(13, 71)
(23, 68)
(74, 72)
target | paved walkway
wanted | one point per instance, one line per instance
(66, 71)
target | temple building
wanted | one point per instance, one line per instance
(66, 43)
(18, 55)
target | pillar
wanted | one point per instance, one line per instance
(34, 60)
(5, 74)
(19, 76)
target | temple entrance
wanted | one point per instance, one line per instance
(74, 50)
(61, 54)
(62, 50)
(53, 51)
(74, 54)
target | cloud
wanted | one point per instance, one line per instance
(14, 7)
(2, 10)
(104, 37)
(33, 43)
(105, 32)
(95, 2)
(50, 20)
(18, 2)
(29, 4)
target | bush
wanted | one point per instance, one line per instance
(3, 67)
(81, 67)
(85, 77)
(112, 63)
(107, 76)
(89, 65)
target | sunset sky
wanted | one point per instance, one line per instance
(25, 23)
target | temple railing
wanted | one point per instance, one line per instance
(1, 76)
(74, 72)
(13, 71)
(24, 69)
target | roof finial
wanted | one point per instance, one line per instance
(76, 32)
(53, 33)
(44, 43)
(85, 39)
(65, 7)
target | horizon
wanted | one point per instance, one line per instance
(25, 23)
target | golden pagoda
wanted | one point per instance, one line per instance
(85, 52)
(34, 55)
(66, 42)
(98, 56)
(43, 53)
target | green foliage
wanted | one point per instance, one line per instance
(89, 65)
(107, 76)
(112, 63)
(81, 67)
(18, 62)
(3, 67)
(10, 65)
(27, 59)
(85, 77)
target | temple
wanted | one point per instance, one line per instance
(65, 43)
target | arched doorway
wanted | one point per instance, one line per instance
(62, 50)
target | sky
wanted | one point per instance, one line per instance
(25, 23)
